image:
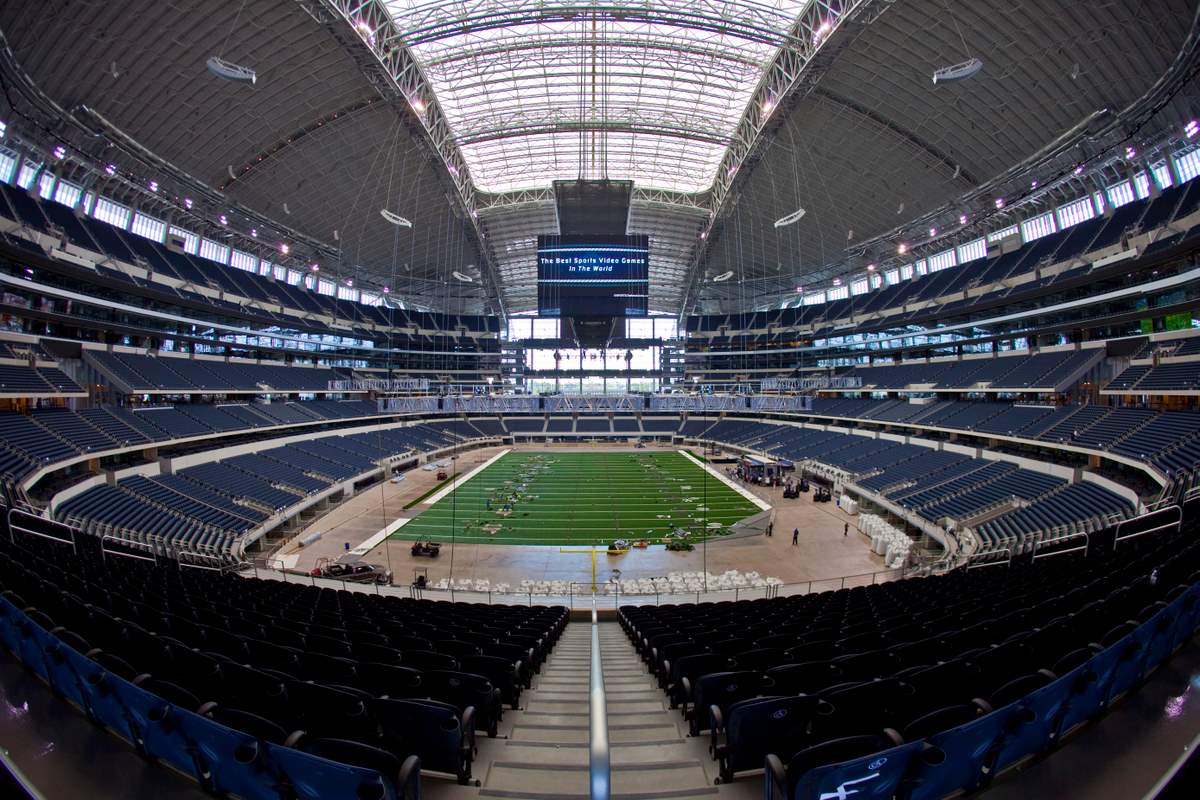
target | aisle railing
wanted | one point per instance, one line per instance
(579, 594)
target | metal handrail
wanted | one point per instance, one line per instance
(1006, 562)
(1087, 541)
(599, 768)
(1118, 538)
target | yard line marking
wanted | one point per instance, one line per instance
(751, 496)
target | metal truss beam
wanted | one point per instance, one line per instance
(371, 23)
(659, 197)
(558, 120)
(436, 21)
(819, 34)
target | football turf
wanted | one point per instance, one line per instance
(580, 499)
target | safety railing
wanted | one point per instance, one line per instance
(1165, 519)
(997, 563)
(1087, 540)
(599, 768)
(27, 524)
(579, 594)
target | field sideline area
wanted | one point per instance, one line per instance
(557, 498)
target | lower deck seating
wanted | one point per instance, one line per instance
(821, 685)
(175, 512)
(322, 687)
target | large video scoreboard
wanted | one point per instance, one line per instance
(585, 276)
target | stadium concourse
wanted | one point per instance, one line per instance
(576, 400)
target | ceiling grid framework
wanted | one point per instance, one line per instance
(726, 114)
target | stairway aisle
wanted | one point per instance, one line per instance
(546, 753)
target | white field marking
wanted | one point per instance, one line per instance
(367, 545)
(459, 479)
(746, 493)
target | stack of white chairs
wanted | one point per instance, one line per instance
(692, 582)
(886, 540)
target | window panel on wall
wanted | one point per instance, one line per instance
(46, 185)
(1120, 194)
(519, 328)
(25, 176)
(191, 242)
(1003, 233)
(67, 194)
(942, 261)
(545, 328)
(972, 251)
(1039, 226)
(243, 261)
(214, 251)
(8, 165)
(639, 328)
(148, 227)
(1188, 165)
(666, 328)
(1074, 213)
(114, 214)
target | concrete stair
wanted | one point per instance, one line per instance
(543, 749)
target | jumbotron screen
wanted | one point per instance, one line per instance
(602, 276)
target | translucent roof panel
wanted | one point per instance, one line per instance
(528, 86)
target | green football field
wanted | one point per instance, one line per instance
(580, 499)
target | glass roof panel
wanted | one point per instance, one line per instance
(533, 90)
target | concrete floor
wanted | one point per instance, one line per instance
(823, 552)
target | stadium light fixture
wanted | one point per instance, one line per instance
(387, 290)
(957, 72)
(1079, 170)
(230, 71)
(1189, 130)
(364, 30)
(822, 31)
(1130, 152)
(3, 128)
(350, 281)
(315, 267)
(837, 281)
(153, 186)
(283, 248)
(59, 152)
(999, 202)
(932, 232)
(254, 233)
(962, 219)
(1033, 184)
(110, 169)
(795, 216)
(462, 277)
(394, 218)
(870, 267)
(223, 219)
(902, 248)
(187, 203)
(724, 276)
(418, 105)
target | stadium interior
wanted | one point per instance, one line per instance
(732, 399)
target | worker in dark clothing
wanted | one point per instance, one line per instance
(846, 529)
(796, 536)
